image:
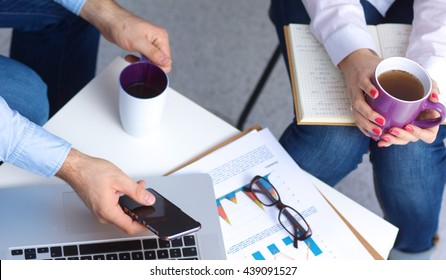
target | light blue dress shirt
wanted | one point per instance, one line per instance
(74, 6)
(29, 146)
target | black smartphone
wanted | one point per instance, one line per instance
(163, 218)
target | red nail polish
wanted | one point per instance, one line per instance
(374, 138)
(409, 128)
(435, 96)
(376, 131)
(394, 132)
(379, 121)
(374, 93)
(387, 139)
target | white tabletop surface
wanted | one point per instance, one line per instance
(90, 121)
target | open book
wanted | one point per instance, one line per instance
(320, 94)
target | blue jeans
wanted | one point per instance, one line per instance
(409, 180)
(19, 85)
(57, 44)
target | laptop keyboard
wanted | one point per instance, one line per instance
(128, 249)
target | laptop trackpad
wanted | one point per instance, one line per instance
(79, 218)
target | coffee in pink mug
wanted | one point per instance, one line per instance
(404, 88)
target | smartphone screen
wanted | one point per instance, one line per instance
(163, 218)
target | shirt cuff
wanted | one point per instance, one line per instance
(39, 151)
(74, 6)
(347, 40)
(436, 67)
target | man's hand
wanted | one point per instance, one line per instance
(129, 31)
(99, 184)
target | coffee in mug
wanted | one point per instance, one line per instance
(402, 85)
(142, 90)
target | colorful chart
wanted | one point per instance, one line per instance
(274, 250)
(233, 198)
(278, 248)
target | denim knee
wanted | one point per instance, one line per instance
(327, 152)
(23, 90)
(409, 182)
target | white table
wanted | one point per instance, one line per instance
(90, 121)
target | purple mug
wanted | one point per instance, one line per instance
(398, 112)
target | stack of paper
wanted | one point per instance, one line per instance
(251, 230)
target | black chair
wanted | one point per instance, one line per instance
(258, 89)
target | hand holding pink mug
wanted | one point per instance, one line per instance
(404, 88)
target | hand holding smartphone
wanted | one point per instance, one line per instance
(163, 218)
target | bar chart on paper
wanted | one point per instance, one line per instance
(251, 230)
(257, 230)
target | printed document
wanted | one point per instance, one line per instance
(251, 230)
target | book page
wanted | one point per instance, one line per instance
(393, 39)
(321, 89)
(251, 230)
(373, 31)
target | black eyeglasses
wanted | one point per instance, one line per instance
(291, 220)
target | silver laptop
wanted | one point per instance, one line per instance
(51, 222)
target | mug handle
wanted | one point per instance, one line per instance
(144, 58)
(429, 105)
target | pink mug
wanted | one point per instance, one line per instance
(399, 112)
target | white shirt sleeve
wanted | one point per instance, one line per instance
(340, 26)
(427, 42)
(29, 146)
(74, 6)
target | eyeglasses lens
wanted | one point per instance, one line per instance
(265, 192)
(293, 222)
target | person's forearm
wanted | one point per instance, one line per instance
(340, 26)
(102, 14)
